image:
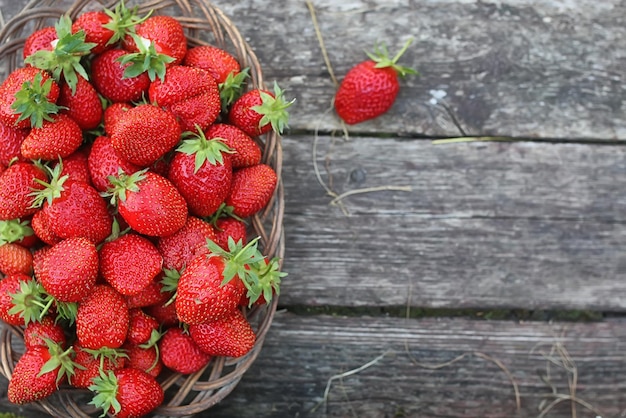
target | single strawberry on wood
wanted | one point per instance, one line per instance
(370, 88)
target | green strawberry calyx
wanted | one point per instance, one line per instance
(31, 101)
(381, 57)
(273, 109)
(53, 189)
(123, 21)
(169, 283)
(223, 211)
(146, 60)
(123, 183)
(64, 59)
(105, 353)
(232, 87)
(197, 144)
(155, 337)
(29, 301)
(60, 360)
(14, 230)
(249, 264)
(105, 387)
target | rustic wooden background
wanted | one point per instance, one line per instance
(495, 286)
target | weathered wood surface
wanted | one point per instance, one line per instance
(517, 225)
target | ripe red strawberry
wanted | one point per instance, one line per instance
(149, 203)
(191, 94)
(36, 333)
(20, 299)
(69, 269)
(180, 353)
(102, 319)
(144, 357)
(144, 134)
(74, 209)
(16, 185)
(251, 189)
(83, 105)
(129, 263)
(27, 96)
(164, 312)
(15, 258)
(10, 142)
(55, 139)
(218, 62)
(104, 161)
(258, 111)
(107, 76)
(229, 227)
(19, 232)
(76, 166)
(186, 244)
(246, 151)
(90, 363)
(93, 24)
(39, 372)
(150, 295)
(202, 171)
(231, 336)
(165, 32)
(40, 39)
(370, 88)
(141, 326)
(112, 114)
(42, 230)
(127, 393)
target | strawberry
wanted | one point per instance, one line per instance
(16, 185)
(20, 299)
(103, 161)
(127, 393)
(19, 232)
(129, 263)
(41, 39)
(144, 357)
(370, 88)
(246, 151)
(15, 258)
(10, 142)
(145, 133)
(82, 105)
(149, 203)
(191, 94)
(107, 76)
(102, 319)
(185, 244)
(42, 230)
(164, 312)
(217, 61)
(202, 171)
(56, 138)
(74, 209)
(64, 60)
(69, 269)
(39, 372)
(180, 353)
(231, 336)
(165, 32)
(140, 326)
(230, 228)
(259, 111)
(92, 23)
(150, 295)
(36, 333)
(90, 363)
(28, 96)
(251, 189)
(76, 166)
(112, 114)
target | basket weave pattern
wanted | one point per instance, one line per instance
(204, 24)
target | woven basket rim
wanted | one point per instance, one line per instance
(204, 24)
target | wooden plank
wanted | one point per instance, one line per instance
(548, 69)
(301, 354)
(514, 225)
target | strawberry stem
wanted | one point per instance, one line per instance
(123, 21)
(59, 359)
(51, 190)
(105, 387)
(31, 101)
(29, 302)
(381, 57)
(14, 230)
(203, 149)
(146, 60)
(123, 182)
(273, 109)
(231, 88)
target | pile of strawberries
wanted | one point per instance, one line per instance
(129, 163)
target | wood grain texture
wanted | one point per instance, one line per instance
(515, 225)
(516, 68)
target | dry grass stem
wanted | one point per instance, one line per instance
(320, 39)
(369, 190)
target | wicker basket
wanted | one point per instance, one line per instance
(204, 24)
